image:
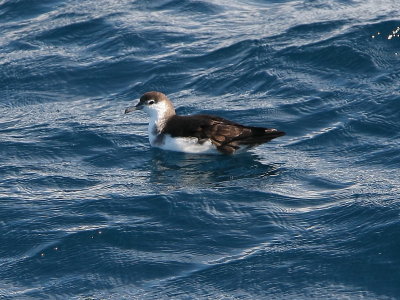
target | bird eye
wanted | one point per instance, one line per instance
(150, 102)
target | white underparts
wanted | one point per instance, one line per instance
(158, 115)
(182, 144)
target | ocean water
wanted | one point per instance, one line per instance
(89, 211)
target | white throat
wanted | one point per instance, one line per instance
(159, 114)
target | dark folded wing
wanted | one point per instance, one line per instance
(225, 134)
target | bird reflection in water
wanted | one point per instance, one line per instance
(176, 171)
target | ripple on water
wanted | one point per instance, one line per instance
(89, 210)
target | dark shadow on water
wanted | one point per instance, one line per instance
(196, 170)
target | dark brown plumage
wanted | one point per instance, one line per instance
(226, 135)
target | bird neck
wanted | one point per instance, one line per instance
(160, 116)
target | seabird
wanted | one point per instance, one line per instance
(197, 133)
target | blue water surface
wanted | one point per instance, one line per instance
(89, 211)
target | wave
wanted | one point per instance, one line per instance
(90, 210)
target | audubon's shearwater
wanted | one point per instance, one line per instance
(197, 133)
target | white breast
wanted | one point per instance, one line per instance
(187, 145)
(181, 144)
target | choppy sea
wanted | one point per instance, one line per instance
(89, 211)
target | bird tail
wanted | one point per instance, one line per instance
(259, 135)
(247, 137)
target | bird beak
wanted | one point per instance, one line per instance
(138, 106)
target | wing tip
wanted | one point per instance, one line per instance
(274, 132)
